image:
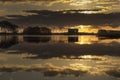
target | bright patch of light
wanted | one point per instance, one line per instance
(87, 56)
(81, 2)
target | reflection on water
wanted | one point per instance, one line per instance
(72, 39)
(7, 41)
(59, 58)
(37, 39)
(12, 40)
(86, 65)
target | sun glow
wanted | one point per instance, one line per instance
(86, 56)
(86, 40)
(93, 57)
(87, 29)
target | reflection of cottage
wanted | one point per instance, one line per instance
(72, 39)
(72, 31)
(109, 33)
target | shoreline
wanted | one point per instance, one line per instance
(49, 34)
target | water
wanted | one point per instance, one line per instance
(59, 57)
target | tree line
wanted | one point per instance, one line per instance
(10, 28)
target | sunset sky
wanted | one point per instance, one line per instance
(17, 7)
(28, 9)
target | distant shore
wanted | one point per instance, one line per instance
(48, 34)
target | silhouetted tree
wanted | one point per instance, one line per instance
(8, 26)
(31, 30)
(37, 31)
(45, 30)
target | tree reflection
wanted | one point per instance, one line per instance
(8, 41)
(37, 39)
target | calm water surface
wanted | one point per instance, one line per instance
(59, 58)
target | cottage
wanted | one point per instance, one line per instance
(72, 31)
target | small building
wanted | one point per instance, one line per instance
(72, 31)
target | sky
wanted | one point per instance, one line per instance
(15, 7)
(11, 9)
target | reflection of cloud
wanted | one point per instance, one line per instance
(47, 70)
(86, 64)
(109, 41)
(60, 50)
(2, 58)
(114, 73)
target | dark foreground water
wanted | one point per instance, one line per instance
(59, 58)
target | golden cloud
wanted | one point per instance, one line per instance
(106, 6)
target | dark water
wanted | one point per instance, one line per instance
(59, 58)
